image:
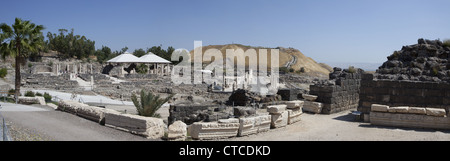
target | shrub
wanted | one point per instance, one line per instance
(142, 69)
(47, 97)
(38, 94)
(11, 92)
(284, 69)
(291, 70)
(446, 43)
(30, 65)
(351, 69)
(149, 103)
(3, 72)
(302, 70)
(29, 94)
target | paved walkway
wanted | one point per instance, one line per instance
(61, 126)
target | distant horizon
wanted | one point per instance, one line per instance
(341, 31)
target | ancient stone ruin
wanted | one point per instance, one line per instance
(416, 76)
(339, 93)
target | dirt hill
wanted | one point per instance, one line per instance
(288, 57)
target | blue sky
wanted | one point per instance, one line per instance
(326, 30)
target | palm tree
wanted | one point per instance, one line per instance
(18, 41)
(149, 103)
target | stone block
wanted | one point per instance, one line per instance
(403, 109)
(177, 131)
(247, 126)
(379, 108)
(313, 107)
(409, 120)
(276, 109)
(262, 123)
(31, 100)
(417, 110)
(309, 97)
(149, 127)
(294, 115)
(294, 104)
(213, 130)
(438, 112)
(279, 120)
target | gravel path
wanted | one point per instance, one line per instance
(342, 127)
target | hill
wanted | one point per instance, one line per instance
(288, 57)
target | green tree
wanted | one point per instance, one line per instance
(149, 103)
(70, 45)
(139, 52)
(18, 41)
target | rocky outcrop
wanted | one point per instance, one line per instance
(426, 61)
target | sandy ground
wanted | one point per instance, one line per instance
(343, 127)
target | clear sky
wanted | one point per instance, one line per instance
(326, 30)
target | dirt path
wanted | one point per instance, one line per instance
(342, 127)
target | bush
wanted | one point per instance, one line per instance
(351, 69)
(29, 94)
(291, 70)
(3, 72)
(30, 65)
(446, 43)
(11, 92)
(38, 94)
(47, 97)
(142, 69)
(284, 69)
(149, 103)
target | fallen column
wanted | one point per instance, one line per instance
(224, 128)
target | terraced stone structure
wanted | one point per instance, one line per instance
(340, 93)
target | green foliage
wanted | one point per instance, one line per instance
(446, 43)
(47, 97)
(38, 94)
(291, 70)
(283, 69)
(302, 70)
(30, 65)
(166, 54)
(70, 45)
(142, 69)
(11, 92)
(103, 54)
(149, 103)
(3, 72)
(139, 52)
(351, 69)
(29, 94)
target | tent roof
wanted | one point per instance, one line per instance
(152, 58)
(125, 58)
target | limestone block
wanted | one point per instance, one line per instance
(379, 108)
(409, 120)
(276, 109)
(417, 110)
(214, 130)
(438, 112)
(247, 126)
(69, 106)
(309, 97)
(294, 104)
(177, 131)
(279, 120)
(294, 115)
(313, 107)
(262, 123)
(32, 100)
(149, 127)
(93, 113)
(403, 109)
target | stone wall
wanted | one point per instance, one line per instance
(48, 81)
(340, 96)
(402, 93)
(415, 117)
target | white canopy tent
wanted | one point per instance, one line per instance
(157, 65)
(125, 58)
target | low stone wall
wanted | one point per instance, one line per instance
(93, 113)
(152, 128)
(149, 127)
(412, 117)
(214, 130)
(254, 125)
(402, 93)
(32, 100)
